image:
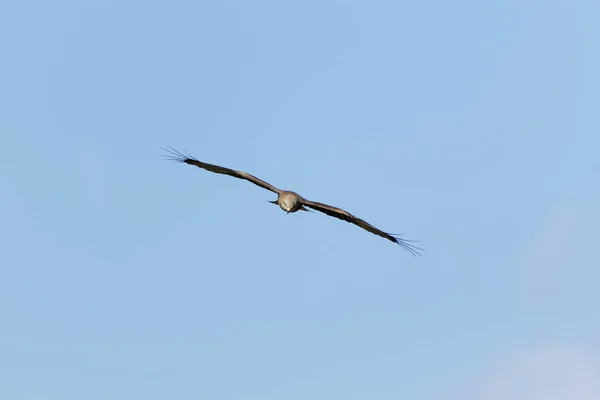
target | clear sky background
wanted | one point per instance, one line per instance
(472, 126)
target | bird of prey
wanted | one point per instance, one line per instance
(291, 202)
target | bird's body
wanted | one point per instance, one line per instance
(290, 202)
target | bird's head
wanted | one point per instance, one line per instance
(282, 205)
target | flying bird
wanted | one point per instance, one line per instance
(290, 202)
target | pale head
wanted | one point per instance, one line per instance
(288, 201)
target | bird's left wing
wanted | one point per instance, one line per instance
(187, 159)
(346, 216)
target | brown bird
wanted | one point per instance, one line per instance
(291, 202)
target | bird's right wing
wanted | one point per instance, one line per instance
(187, 159)
(346, 216)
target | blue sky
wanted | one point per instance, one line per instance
(470, 126)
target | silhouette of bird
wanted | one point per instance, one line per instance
(291, 202)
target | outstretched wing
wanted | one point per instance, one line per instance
(346, 216)
(178, 156)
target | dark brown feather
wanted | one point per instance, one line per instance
(346, 216)
(187, 159)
